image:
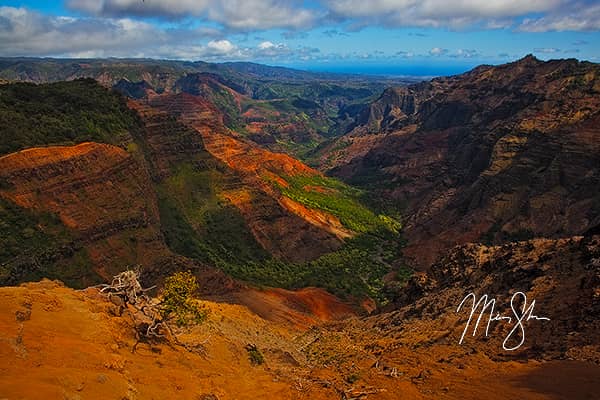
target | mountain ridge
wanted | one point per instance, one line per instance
(456, 155)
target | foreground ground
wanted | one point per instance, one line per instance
(57, 343)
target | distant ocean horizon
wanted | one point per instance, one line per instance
(423, 70)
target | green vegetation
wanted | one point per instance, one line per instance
(355, 270)
(178, 301)
(35, 245)
(61, 113)
(254, 355)
(199, 224)
(339, 199)
(25, 232)
(226, 243)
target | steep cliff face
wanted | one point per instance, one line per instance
(80, 184)
(224, 95)
(134, 90)
(394, 109)
(498, 153)
(249, 177)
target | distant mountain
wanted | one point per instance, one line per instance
(43, 70)
(281, 108)
(496, 154)
(262, 71)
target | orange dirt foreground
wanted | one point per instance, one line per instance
(57, 343)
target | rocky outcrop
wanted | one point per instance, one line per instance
(394, 109)
(562, 276)
(496, 154)
(166, 143)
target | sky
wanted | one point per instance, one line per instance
(390, 37)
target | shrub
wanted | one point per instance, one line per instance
(178, 301)
(353, 378)
(254, 354)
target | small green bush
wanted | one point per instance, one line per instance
(254, 354)
(178, 301)
(353, 378)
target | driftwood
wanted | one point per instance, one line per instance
(127, 293)
(126, 287)
(147, 314)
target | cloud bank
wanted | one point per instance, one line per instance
(206, 29)
(28, 33)
(238, 15)
(256, 15)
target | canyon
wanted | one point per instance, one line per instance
(333, 223)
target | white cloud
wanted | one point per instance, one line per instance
(240, 15)
(266, 45)
(437, 51)
(221, 46)
(28, 33)
(270, 50)
(465, 53)
(580, 17)
(23, 32)
(295, 15)
(438, 13)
